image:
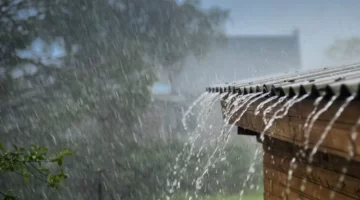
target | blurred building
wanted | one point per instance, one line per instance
(242, 57)
(163, 118)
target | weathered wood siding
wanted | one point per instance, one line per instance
(286, 137)
(291, 127)
(321, 181)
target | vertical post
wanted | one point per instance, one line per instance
(99, 171)
(296, 35)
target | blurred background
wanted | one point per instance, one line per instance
(114, 81)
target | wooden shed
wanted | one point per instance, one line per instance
(308, 125)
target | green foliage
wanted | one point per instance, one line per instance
(103, 79)
(255, 196)
(33, 163)
(165, 30)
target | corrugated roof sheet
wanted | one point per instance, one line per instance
(342, 81)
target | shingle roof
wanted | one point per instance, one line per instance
(342, 81)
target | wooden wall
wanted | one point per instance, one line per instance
(291, 127)
(321, 181)
(286, 137)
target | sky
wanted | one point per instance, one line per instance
(320, 22)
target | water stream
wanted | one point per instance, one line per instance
(313, 120)
(294, 159)
(201, 98)
(352, 151)
(271, 107)
(262, 104)
(206, 102)
(329, 126)
(221, 144)
(235, 104)
(268, 124)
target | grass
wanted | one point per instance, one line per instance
(258, 196)
(237, 197)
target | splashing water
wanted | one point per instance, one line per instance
(322, 138)
(288, 105)
(230, 99)
(262, 104)
(272, 119)
(313, 120)
(244, 99)
(225, 141)
(193, 136)
(352, 152)
(269, 109)
(268, 125)
(237, 103)
(307, 135)
(329, 126)
(204, 102)
(291, 103)
(246, 108)
(316, 105)
(202, 97)
(228, 111)
(352, 139)
(257, 151)
(228, 102)
(251, 171)
(290, 174)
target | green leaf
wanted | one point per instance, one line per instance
(15, 147)
(60, 162)
(42, 150)
(10, 196)
(45, 170)
(26, 179)
(66, 152)
(26, 173)
(2, 147)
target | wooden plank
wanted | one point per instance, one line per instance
(286, 151)
(305, 107)
(267, 185)
(279, 192)
(318, 176)
(269, 196)
(326, 170)
(291, 127)
(311, 191)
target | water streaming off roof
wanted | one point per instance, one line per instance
(343, 80)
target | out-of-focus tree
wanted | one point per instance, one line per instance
(105, 53)
(33, 163)
(105, 44)
(166, 30)
(17, 25)
(345, 50)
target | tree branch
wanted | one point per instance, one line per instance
(5, 195)
(40, 179)
(37, 169)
